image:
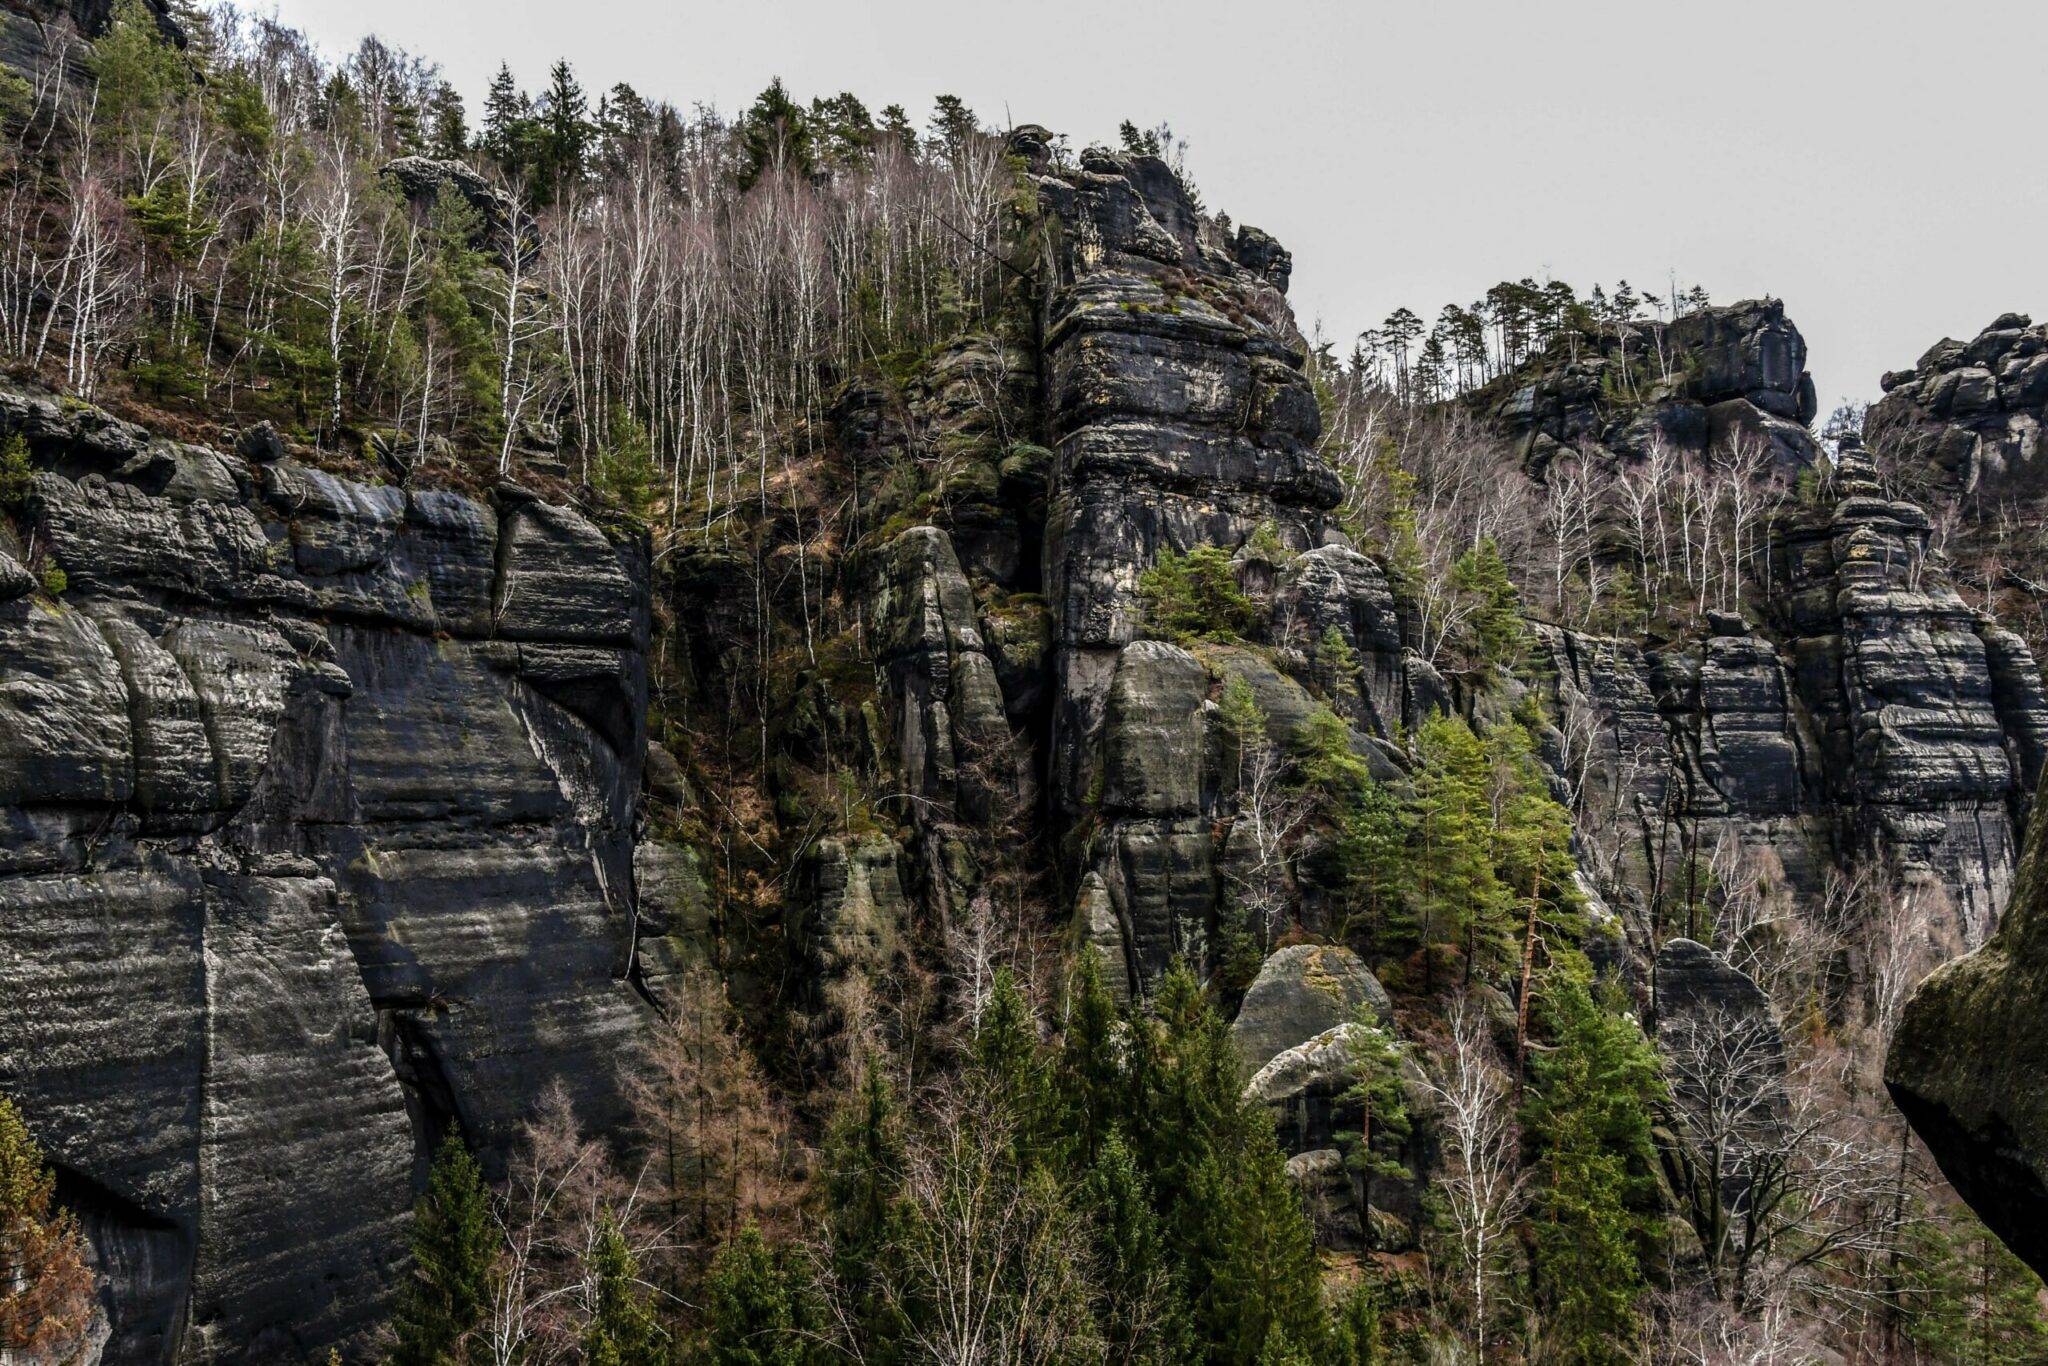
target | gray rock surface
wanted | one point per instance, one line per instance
(1300, 993)
(1967, 1061)
(316, 814)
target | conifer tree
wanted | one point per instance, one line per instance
(1379, 1096)
(506, 111)
(565, 130)
(46, 1291)
(864, 1216)
(454, 1242)
(1590, 1117)
(1455, 897)
(1144, 1311)
(754, 1307)
(1089, 1073)
(1007, 1065)
(775, 135)
(622, 1329)
(1355, 1334)
(1498, 637)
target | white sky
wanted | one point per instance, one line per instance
(1876, 164)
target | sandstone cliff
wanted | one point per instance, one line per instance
(317, 801)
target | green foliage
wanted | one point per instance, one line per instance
(1227, 1206)
(453, 1245)
(1336, 665)
(623, 1329)
(775, 135)
(757, 1310)
(139, 71)
(1195, 596)
(625, 473)
(1976, 1302)
(55, 581)
(1498, 639)
(16, 473)
(1356, 1338)
(1455, 897)
(1593, 1218)
(1145, 1314)
(1381, 1099)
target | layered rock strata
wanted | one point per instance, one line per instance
(316, 814)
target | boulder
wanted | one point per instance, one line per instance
(1301, 992)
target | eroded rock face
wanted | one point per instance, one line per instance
(1860, 711)
(316, 809)
(1180, 417)
(1967, 1061)
(1710, 377)
(1960, 432)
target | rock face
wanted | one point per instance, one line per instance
(1859, 709)
(1960, 432)
(316, 813)
(1966, 1066)
(421, 180)
(35, 32)
(1179, 416)
(1301, 992)
(1702, 380)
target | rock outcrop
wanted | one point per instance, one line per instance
(316, 813)
(1857, 712)
(34, 33)
(1967, 1061)
(1179, 416)
(1303, 991)
(1710, 377)
(1960, 433)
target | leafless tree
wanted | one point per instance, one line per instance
(1483, 1181)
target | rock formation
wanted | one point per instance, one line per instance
(1966, 1067)
(1858, 707)
(1961, 433)
(317, 802)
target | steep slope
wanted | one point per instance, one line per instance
(316, 809)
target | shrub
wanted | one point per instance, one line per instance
(55, 581)
(1195, 596)
(15, 472)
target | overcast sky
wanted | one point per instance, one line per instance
(1875, 164)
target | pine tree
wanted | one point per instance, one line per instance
(864, 1216)
(565, 132)
(1590, 1118)
(954, 126)
(1498, 637)
(454, 1243)
(755, 1311)
(1379, 1096)
(1195, 596)
(1144, 1308)
(775, 136)
(1455, 898)
(1089, 1076)
(1355, 1335)
(447, 124)
(622, 1329)
(1975, 1301)
(1007, 1067)
(1229, 1211)
(506, 112)
(46, 1290)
